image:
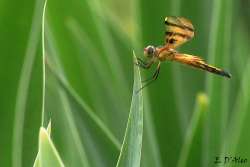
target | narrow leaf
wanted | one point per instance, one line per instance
(48, 155)
(237, 137)
(24, 86)
(130, 155)
(217, 87)
(36, 163)
(192, 130)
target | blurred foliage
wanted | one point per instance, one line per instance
(89, 82)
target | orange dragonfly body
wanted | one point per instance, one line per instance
(178, 31)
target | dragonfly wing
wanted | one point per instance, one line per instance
(199, 63)
(178, 31)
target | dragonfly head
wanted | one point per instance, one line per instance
(149, 51)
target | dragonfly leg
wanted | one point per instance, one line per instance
(144, 65)
(150, 80)
(140, 61)
(155, 75)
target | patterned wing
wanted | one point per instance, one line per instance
(178, 31)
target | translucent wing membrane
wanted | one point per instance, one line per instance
(178, 31)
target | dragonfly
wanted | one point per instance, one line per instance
(178, 30)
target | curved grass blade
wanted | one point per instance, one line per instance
(76, 138)
(84, 42)
(64, 83)
(25, 84)
(84, 140)
(130, 155)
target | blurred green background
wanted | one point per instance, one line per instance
(190, 117)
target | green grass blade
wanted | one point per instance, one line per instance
(130, 155)
(192, 130)
(108, 44)
(151, 153)
(218, 87)
(239, 124)
(63, 82)
(48, 155)
(84, 42)
(37, 163)
(24, 85)
(150, 148)
(43, 60)
(83, 134)
(80, 62)
(76, 139)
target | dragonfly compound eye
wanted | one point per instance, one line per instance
(150, 50)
